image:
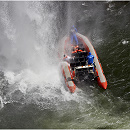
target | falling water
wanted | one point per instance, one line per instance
(32, 93)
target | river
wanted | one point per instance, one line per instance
(31, 90)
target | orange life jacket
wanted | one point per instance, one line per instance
(77, 51)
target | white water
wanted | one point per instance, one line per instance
(28, 47)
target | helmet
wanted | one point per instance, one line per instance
(89, 53)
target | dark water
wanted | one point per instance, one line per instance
(32, 94)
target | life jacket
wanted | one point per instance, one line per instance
(77, 51)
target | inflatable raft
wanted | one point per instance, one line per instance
(74, 65)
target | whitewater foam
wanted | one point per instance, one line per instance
(32, 66)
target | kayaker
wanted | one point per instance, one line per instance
(73, 36)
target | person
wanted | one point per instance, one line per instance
(77, 49)
(67, 58)
(90, 59)
(73, 36)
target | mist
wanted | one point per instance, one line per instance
(27, 42)
(29, 53)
